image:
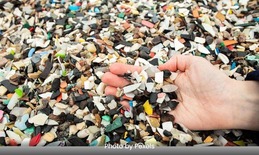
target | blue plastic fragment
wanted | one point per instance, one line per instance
(31, 52)
(217, 51)
(96, 10)
(233, 65)
(94, 143)
(131, 103)
(128, 139)
(74, 8)
(256, 19)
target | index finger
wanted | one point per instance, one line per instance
(121, 69)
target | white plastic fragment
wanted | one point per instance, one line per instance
(100, 89)
(199, 40)
(223, 58)
(25, 142)
(159, 77)
(177, 44)
(150, 86)
(14, 136)
(131, 88)
(13, 101)
(112, 104)
(61, 105)
(209, 29)
(39, 119)
(46, 95)
(169, 88)
(203, 49)
(161, 131)
(99, 106)
(167, 126)
(173, 76)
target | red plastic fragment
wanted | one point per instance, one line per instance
(152, 54)
(230, 47)
(12, 142)
(147, 24)
(35, 140)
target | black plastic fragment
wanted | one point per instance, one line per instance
(10, 87)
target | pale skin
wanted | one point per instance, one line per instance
(210, 100)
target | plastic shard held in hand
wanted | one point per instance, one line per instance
(148, 108)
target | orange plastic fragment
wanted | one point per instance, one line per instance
(9, 96)
(126, 25)
(229, 42)
(208, 140)
(182, 40)
(195, 13)
(80, 91)
(59, 98)
(63, 84)
(220, 16)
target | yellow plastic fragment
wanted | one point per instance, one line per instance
(81, 40)
(148, 108)
(230, 11)
(239, 143)
(125, 134)
(208, 140)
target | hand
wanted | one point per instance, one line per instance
(209, 99)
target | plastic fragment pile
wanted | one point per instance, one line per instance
(54, 53)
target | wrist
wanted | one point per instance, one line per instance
(242, 100)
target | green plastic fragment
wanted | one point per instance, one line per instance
(250, 57)
(222, 44)
(106, 118)
(61, 54)
(26, 25)
(12, 52)
(68, 26)
(19, 92)
(29, 130)
(69, 87)
(121, 15)
(107, 139)
(5, 102)
(71, 15)
(203, 55)
(49, 36)
(64, 73)
(115, 125)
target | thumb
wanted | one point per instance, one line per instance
(178, 62)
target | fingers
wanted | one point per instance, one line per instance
(120, 69)
(178, 62)
(125, 104)
(109, 90)
(114, 80)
